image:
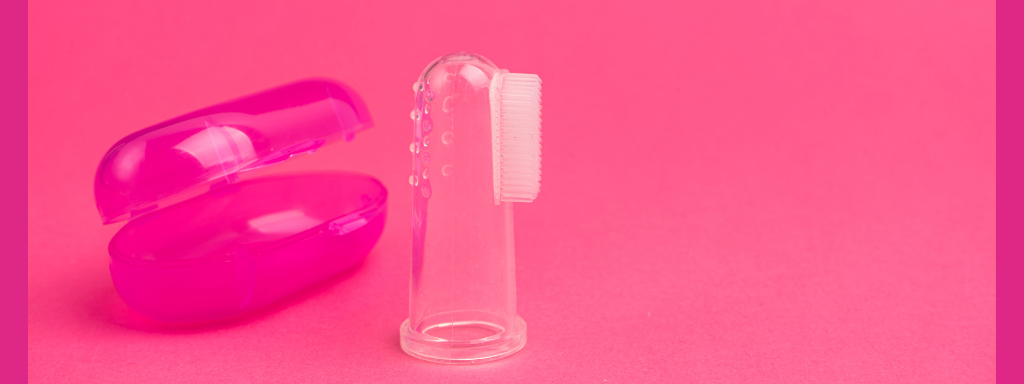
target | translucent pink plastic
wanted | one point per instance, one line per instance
(202, 246)
(462, 307)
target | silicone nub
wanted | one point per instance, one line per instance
(515, 124)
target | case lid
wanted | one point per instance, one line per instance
(175, 160)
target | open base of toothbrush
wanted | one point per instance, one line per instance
(463, 342)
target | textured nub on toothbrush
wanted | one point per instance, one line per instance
(517, 127)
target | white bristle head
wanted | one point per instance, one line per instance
(516, 130)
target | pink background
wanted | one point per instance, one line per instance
(733, 191)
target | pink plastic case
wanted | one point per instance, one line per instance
(199, 244)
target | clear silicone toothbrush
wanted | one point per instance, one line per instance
(476, 149)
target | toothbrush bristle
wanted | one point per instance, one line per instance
(520, 137)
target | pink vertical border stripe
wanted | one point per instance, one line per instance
(14, 101)
(1009, 189)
